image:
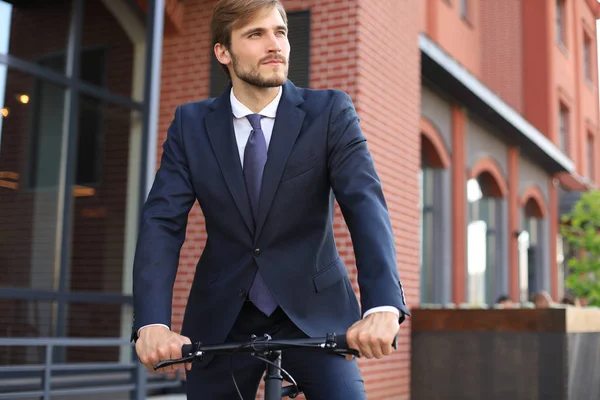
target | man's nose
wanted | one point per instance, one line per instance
(274, 45)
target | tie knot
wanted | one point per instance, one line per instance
(254, 121)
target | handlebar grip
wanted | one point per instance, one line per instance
(187, 349)
(340, 341)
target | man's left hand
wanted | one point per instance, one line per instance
(373, 335)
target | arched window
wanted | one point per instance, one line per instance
(534, 270)
(487, 270)
(434, 189)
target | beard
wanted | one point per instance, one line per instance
(252, 76)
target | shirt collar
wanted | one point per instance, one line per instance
(240, 111)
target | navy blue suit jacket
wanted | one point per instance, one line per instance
(317, 151)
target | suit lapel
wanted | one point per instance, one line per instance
(288, 123)
(219, 125)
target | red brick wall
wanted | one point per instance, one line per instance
(502, 50)
(389, 106)
(349, 54)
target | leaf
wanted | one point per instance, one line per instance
(580, 228)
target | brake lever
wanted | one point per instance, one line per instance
(345, 352)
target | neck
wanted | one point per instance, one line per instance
(255, 98)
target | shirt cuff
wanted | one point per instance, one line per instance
(382, 308)
(145, 326)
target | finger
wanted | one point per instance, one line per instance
(387, 346)
(150, 362)
(151, 365)
(376, 349)
(364, 345)
(188, 366)
(387, 349)
(351, 339)
(366, 352)
(150, 368)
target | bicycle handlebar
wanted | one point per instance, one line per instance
(332, 343)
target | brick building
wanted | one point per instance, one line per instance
(482, 118)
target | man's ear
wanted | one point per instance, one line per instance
(222, 54)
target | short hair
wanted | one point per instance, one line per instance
(503, 298)
(568, 299)
(231, 14)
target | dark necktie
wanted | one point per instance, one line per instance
(255, 158)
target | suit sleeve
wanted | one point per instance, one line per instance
(161, 233)
(359, 193)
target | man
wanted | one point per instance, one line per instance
(542, 299)
(505, 302)
(264, 160)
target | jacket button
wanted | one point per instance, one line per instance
(242, 293)
(257, 252)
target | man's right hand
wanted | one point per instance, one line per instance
(157, 343)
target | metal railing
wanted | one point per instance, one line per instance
(65, 379)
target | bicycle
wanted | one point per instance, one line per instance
(271, 353)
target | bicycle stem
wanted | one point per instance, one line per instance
(273, 377)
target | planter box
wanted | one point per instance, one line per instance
(529, 354)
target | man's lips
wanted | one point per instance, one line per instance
(273, 62)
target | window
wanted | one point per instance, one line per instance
(71, 154)
(563, 126)
(435, 223)
(531, 249)
(590, 157)
(46, 137)
(561, 22)
(486, 265)
(587, 57)
(464, 9)
(427, 231)
(299, 37)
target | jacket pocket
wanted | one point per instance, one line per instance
(298, 169)
(330, 275)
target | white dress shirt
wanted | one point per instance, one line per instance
(242, 129)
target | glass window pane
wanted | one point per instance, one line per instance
(428, 189)
(31, 135)
(524, 265)
(492, 212)
(112, 53)
(96, 320)
(464, 9)
(105, 196)
(476, 262)
(427, 232)
(35, 31)
(587, 56)
(29, 319)
(427, 267)
(490, 270)
(532, 224)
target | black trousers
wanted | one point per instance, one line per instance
(319, 375)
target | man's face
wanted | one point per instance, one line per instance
(508, 304)
(260, 51)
